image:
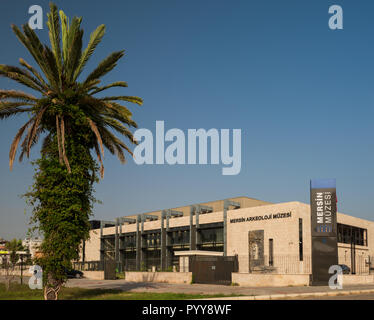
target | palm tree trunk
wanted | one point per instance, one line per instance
(51, 290)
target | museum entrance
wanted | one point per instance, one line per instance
(213, 269)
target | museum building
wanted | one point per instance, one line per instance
(262, 236)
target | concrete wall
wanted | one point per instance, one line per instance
(270, 280)
(217, 205)
(285, 280)
(285, 234)
(16, 273)
(166, 277)
(349, 279)
(92, 247)
(283, 231)
(94, 275)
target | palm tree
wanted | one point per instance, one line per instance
(59, 90)
(74, 122)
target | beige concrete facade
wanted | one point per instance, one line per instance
(163, 277)
(285, 234)
(217, 205)
(94, 275)
(279, 222)
(92, 246)
(269, 280)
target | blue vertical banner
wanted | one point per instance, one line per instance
(323, 229)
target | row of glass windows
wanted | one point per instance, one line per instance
(153, 239)
(214, 235)
(129, 241)
(179, 237)
(346, 234)
(349, 234)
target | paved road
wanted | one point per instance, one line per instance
(198, 288)
(213, 289)
(350, 297)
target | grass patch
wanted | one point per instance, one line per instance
(120, 275)
(23, 292)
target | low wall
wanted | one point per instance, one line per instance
(270, 280)
(16, 273)
(284, 280)
(93, 275)
(349, 279)
(166, 277)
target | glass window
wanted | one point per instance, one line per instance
(214, 235)
(348, 234)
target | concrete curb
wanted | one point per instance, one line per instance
(296, 295)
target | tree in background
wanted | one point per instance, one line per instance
(9, 264)
(74, 121)
(13, 246)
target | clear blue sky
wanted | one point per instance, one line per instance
(271, 68)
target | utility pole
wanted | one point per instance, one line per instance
(21, 269)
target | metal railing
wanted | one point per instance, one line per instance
(276, 264)
(363, 265)
(89, 266)
(291, 264)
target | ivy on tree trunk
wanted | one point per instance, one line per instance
(62, 204)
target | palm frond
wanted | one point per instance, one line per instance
(89, 85)
(38, 49)
(54, 77)
(71, 42)
(4, 114)
(9, 105)
(35, 127)
(114, 84)
(64, 34)
(18, 95)
(25, 141)
(21, 76)
(114, 144)
(35, 49)
(119, 127)
(119, 112)
(97, 134)
(54, 36)
(20, 79)
(137, 100)
(114, 110)
(75, 53)
(14, 146)
(95, 39)
(105, 66)
(34, 72)
(13, 69)
(11, 108)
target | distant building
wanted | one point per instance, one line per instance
(3, 242)
(3, 251)
(32, 245)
